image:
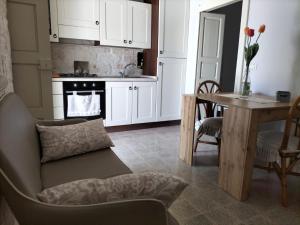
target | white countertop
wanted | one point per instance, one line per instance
(142, 78)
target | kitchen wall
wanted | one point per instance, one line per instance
(105, 61)
(278, 62)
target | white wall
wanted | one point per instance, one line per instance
(278, 61)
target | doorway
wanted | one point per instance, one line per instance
(218, 46)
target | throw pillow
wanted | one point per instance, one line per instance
(63, 141)
(159, 186)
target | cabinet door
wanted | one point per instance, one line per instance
(144, 102)
(171, 83)
(118, 103)
(139, 25)
(78, 19)
(113, 18)
(173, 28)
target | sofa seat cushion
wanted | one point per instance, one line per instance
(99, 164)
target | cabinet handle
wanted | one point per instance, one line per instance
(55, 35)
(161, 52)
(97, 22)
(130, 88)
(161, 63)
(135, 88)
(125, 41)
(130, 42)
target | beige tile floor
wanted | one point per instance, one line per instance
(203, 203)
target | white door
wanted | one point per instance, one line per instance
(118, 103)
(210, 48)
(113, 22)
(78, 19)
(170, 87)
(144, 102)
(31, 54)
(139, 25)
(173, 28)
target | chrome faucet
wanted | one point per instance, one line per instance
(123, 73)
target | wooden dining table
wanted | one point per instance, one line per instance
(239, 134)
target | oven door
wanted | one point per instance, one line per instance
(84, 100)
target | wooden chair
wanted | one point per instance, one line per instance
(281, 149)
(210, 125)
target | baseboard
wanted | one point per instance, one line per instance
(142, 126)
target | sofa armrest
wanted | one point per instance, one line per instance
(29, 211)
(60, 122)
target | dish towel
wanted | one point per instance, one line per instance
(83, 105)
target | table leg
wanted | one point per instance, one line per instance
(188, 113)
(238, 148)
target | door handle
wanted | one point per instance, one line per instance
(161, 63)
(161, 52)
(135, 88)
(97, 22)
(125, 41)
(130, 42)
(130, 88)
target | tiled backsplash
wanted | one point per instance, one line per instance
(105, 61)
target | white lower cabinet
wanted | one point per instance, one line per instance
(170, 88)
(118, 103)
(130, 102)
(144, 102)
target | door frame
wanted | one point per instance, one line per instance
(207, 6)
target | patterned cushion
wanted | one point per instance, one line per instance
(63, 141)
(268, 144)
(130, 186)
(210, 126)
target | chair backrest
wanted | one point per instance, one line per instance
(211, 87)
(19, 146)
(293, 113)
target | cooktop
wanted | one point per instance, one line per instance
(77, 75)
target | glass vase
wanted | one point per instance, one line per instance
(246, 83)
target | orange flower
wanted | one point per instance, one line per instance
(246, 30)
(262, 28)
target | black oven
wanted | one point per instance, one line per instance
(84, 88)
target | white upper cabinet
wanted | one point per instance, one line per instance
(139, 25)
(125, 23)
(120, 23)
(77, 19)
(173, 28)
(113, 17)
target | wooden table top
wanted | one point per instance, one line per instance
(222, 99)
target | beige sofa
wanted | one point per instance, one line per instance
(22, 176)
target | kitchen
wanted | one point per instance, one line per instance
(125, 54)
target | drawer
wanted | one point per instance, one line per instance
(58, 101)
(58, 113)
(57, 88)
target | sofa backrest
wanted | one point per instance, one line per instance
(19, 146)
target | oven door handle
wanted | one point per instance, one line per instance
(71, 92)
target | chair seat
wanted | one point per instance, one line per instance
(211, 126)
(268, 144)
